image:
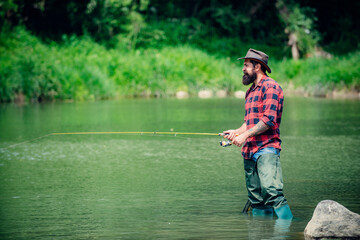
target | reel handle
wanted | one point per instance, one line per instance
(225, 143)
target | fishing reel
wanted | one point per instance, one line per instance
(225, 143)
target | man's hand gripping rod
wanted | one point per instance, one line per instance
(225, 143)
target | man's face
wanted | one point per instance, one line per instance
(249, 73)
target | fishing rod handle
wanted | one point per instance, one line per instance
(223, 134)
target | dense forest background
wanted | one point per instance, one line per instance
(149, 39)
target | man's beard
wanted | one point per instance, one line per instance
(249, 78)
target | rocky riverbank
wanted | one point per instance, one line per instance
(316, 91)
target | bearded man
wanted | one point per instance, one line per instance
(260, 137)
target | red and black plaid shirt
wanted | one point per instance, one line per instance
(263, 103)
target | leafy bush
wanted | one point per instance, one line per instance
(335, 72)
(82, 69)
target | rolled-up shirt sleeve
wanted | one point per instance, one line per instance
(270, 105)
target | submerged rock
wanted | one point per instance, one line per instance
(332, 220)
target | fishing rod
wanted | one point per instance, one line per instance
(141, 133)
(222, 143)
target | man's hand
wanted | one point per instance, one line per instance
(230, 134)
(241, 139)
(239, 136)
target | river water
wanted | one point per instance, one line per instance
(164, 186)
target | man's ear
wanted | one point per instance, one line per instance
(257, 67)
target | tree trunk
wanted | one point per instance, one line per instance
(294, 48)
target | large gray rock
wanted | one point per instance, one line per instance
(332, 220)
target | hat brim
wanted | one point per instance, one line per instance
(259, 61)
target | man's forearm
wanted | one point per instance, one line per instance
(241, 138)
(258, 129)
(241, 129)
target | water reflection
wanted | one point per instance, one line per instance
(267, 227)
(282, 227)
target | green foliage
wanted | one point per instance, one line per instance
(81, 69)
(105, 19)
(163, 72)
(300, 22)
(7, 8)
(131, 22)
(337, 72)
(41, 72)
(230, 20)
(177, 32)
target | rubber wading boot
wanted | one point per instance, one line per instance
(263, 211)
(283, 212)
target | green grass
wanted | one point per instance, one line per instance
(81, 69)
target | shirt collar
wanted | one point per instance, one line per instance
(260, 82)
